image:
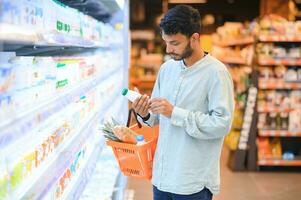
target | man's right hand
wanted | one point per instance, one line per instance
(141, 105)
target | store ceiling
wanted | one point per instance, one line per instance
(143, 13)
(229, 10)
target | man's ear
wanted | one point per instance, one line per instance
(194, 38)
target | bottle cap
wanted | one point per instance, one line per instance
(124, 91)
(139, 138)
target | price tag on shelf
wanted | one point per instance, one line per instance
(248, 117)
(261, 37)
(262, 162)
(260, 84)
(276, 61)
(273, 37)
(290, 38)
(283, 133)
(290, 62)
(262, 62)
(279, 84)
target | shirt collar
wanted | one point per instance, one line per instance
(196, 64)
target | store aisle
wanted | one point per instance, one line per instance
(240, 185)
(257, 185)
(141, 189)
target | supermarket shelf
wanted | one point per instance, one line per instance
(144, 82)
(46, 166)
(28, 118)
(58, 161)
(279, 133)
(44, 50)
(106, 166)
(9, 33)
(279, 38)
(147, 78)
(101, 10)
(279, 162)
(236, 41)
(277, 84)
(233, 60)
(79, 182)
(278, 61)
(267, 109)
(75, 189)
(104, 177)
(60, 45)
(59, 39)
(32, 49)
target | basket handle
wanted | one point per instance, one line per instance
(129, 118)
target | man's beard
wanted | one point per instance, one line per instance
(187, 53)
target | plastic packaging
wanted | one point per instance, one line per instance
(131, 95)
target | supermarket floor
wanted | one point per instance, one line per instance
(238, 185)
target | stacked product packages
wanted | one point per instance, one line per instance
(275, 26)
(42, 22)
(279, 98)
(58, 96)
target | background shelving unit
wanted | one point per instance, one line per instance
(61, 75)
(268, 132)
(278, 59)
(146, 58)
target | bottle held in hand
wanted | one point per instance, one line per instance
(131, 95)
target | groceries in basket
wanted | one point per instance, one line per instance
(135, 160)
(113, 130)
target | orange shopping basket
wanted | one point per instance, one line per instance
(137, 161)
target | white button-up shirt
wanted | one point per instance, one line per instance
(187, 157)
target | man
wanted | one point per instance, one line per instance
(193, 103)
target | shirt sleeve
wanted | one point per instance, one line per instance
(217, 122)
(154, 118)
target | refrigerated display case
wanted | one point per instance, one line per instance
(61, 72)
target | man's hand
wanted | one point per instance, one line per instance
(161, 106)
(141, 105)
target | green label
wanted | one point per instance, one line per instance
(61, 83)
(69, 28)
(58, 65)
(59, 25)
(65, 27)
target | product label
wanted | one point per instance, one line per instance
(61, 83)
(248, 118)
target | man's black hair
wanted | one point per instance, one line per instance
(181, 19)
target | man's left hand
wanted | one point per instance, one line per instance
(161, 106)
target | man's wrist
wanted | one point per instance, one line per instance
(144, 118)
